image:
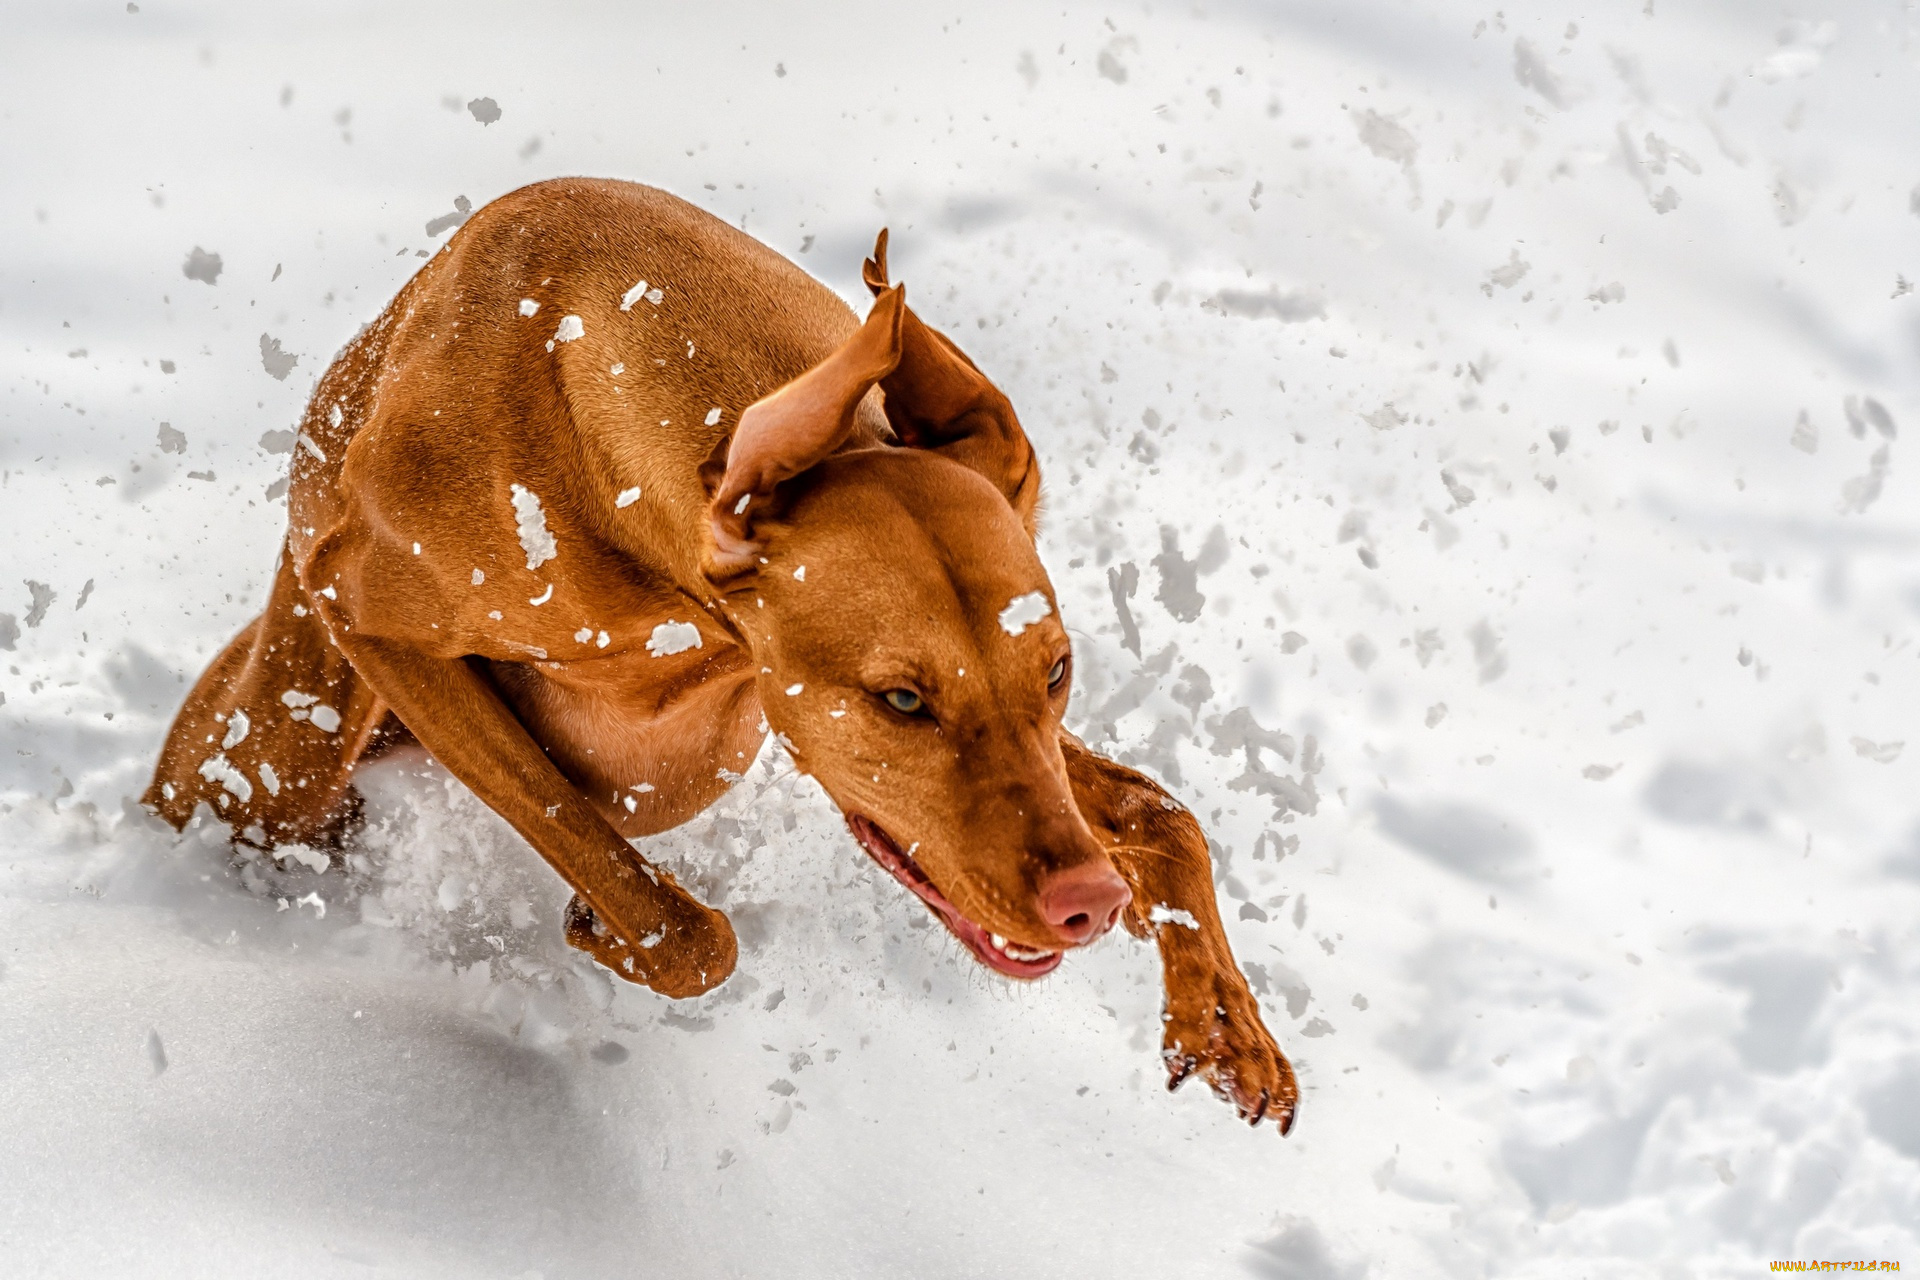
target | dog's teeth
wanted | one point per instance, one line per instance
(999, 942)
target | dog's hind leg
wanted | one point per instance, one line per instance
(272, 730)
(1212, 1022)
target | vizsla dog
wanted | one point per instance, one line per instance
(609, 492)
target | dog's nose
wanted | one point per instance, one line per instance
(1083, 902)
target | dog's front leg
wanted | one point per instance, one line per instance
(1212, 1023)
(643, 926)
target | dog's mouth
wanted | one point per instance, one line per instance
(992, 950)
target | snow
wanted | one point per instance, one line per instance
(571, 327)
(1660, 1022)
(1161, 913)
(1023, 611)
(627, 497)
(237, 728)
(632, 296)
(217, 768)
(528, 306)
(530, 521)
(672, 637)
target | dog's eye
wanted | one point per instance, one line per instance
(1059, 673)
(905, 701)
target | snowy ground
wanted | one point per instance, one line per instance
(1518, 405)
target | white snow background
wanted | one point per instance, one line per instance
(1512, 411)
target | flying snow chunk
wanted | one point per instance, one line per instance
(627, 497)
(794, 690)
(528, 306)
(1386, 138)
(43, 598)
(485, 110)
(462, 209)
(276, 361)
(713, 415)
(1799, 56)
(633, 295)
(270, 779)
(535, 539)
(314, 860)
(1878, 752)
(1288, 307)
(1531, 69)
(1023, 611)
(571, 327)
(1461, 495)
(673, 637)
(326, 719)
(201, 265)
(1509, 274)
(1860, 492)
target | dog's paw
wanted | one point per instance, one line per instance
(1213, 1030)
(686, 956)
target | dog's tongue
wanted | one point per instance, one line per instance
(990, 949)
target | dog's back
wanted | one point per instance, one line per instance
(607, 321)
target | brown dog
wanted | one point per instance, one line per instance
(611, 489)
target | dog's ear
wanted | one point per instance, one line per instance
(783, 434)
(937, 399)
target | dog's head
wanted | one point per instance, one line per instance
(912, 655)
